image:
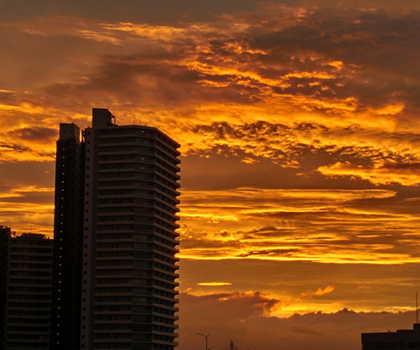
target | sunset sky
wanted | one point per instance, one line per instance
(299, 122)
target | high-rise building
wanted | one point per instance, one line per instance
(28, 292)
(129, 176)
(5, 235)
(67, 251)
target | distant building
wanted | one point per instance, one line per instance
(28, 292)
(402, 339)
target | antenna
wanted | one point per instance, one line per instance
(417, 310)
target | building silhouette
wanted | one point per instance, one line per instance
(116, 204)
(402, 339)
(28, 292)
(5, 235)
(67, 252)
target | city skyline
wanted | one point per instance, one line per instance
(299, 130)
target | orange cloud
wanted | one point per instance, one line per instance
(391, 109)
(214, 284)
(319, 291)
(289, 225)
(382, 172)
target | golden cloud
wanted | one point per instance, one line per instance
(287, 225)
(319, 291)
(382, 173)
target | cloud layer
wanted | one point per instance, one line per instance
(246, 321)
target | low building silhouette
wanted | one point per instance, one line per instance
(402, 339)
(5, 235)
(28, 292)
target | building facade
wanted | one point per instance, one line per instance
(129, 176)
(28, 296)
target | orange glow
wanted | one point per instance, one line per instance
(222, 237)
(392, 109)
(317, 75)
(214, 284)
(320, 291)
(382, 173)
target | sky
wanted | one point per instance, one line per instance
(299, 125)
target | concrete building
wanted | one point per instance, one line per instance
(28, 295)
(402, 339)
(129, 176)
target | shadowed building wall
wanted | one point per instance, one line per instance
(28, 295)
(67, 252)
(402, 339)
(5, 234)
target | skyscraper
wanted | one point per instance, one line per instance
(129, 176)
(67, 249)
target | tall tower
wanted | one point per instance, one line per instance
(130, 201)
(67, 253)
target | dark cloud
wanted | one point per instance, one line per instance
(127, 10)
(28, 198)
(405, 166)
(268, 252)
(377, 49)
(296, 59)
(14, 147)
(36, 134)
(17, 175)
(252, 328)
(152, 81)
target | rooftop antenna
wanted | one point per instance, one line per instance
(417, 310)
